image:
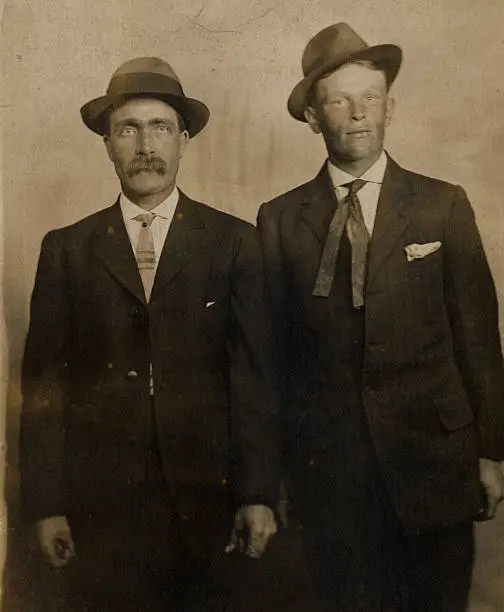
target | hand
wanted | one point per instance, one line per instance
(492, 486)
(253, 527)
(55, 540)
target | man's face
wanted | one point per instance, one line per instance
(351, 107)
(145, 145)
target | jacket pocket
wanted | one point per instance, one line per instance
(455, 414)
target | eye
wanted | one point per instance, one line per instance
(164, 128)
(371, 97)
(127, 130)
(337, 101)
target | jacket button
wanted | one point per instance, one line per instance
(132, 374)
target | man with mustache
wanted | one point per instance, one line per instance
(147, 415)
(390, 354)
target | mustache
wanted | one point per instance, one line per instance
(146, 164)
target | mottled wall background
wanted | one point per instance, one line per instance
(242, 58)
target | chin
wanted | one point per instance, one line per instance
(357, 155)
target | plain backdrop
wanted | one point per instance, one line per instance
(241, 58)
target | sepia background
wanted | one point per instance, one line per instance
(242, 58)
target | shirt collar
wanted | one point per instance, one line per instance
(374, 174)
(164, 210)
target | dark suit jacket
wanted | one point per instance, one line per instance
(86, 418)
(432, 379)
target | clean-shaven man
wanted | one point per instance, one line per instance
(390, 356)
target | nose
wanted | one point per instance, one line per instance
(358, 110)
(145, 142)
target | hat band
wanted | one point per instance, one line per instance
(144, 83)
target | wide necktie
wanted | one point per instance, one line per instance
(348, 214)
(145, 254)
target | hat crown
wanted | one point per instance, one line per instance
(154, 65)
(333, 43)
(144, 70)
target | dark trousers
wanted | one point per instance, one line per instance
(129, 556)
(359, 559)
(137, 555)
(426, 573)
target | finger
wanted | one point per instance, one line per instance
(64, 547)
(256, 549)
(52, 557)
(236, 542)
(242, 544)
(489, 508)
(263, 530)
(257, 545)
(233, 542)
(492, 502)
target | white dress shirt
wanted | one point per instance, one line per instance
(161, 224)
(369, 194)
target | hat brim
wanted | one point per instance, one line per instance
(194, 112)
(386, 57)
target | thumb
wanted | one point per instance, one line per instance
(492, 501)
(235, 539)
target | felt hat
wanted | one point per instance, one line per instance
(329, 49)
(145, 77)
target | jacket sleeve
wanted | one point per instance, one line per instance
(43, 385)
(473, 311)
(276, 297)
(289, 371)
(254, 403)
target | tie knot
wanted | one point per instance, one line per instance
(145, 219)
(354, 186)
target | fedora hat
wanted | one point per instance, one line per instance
(151, 77)
(332, 47)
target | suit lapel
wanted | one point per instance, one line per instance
(113, 247)
(390, 221)
(185, 238)
(318, 207)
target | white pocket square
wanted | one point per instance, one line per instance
(209, 304)
(419, 251)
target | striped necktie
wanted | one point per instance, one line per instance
(145, 254)
(348, 214)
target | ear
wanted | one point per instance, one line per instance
(389, 111)
(108, 146)
(184, 140)
(311, 118)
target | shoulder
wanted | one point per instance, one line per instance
(290, 200)
(426, 196)
(421, 183)
(74, 233)
(297, 194)
(214, 219)
(430, 185)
